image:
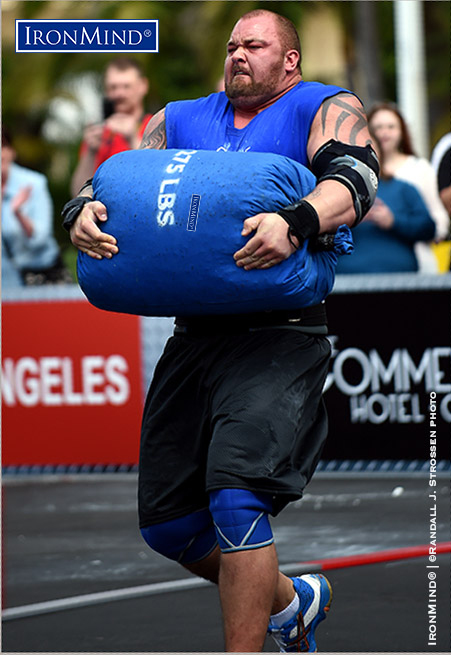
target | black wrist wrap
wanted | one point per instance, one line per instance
(72, 209)
(302, 220)
(86, 185)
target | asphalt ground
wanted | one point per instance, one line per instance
(74, 540)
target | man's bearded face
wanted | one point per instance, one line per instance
(255, 64)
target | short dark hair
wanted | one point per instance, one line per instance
(288, 33)
(405, 145)
(125, 63)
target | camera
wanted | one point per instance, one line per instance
(107, 108)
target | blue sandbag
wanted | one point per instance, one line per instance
(177, 217)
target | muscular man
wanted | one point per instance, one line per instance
(125, 87)
(234, 421)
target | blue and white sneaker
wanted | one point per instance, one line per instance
(298, 634)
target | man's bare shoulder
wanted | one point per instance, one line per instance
(341, 117)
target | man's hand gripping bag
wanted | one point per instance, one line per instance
(177, 217)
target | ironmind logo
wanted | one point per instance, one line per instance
(86, 35)
(193, 212)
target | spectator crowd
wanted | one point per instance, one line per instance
(406, 230)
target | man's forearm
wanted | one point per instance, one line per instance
(334, 205)
(84, 170)
(322, 211)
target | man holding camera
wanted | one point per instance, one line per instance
(124, 118)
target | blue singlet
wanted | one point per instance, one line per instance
(283, 128)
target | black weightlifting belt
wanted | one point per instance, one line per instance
(312, 320)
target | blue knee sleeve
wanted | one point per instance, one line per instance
(186, 540)
(241, 519)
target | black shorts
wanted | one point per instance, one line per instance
(232, 411)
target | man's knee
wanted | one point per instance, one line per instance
(241, 519)
(185, 540)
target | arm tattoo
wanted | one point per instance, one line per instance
(154, 136)
(314, 194)
(355, 114)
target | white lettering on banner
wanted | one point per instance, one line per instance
(72, 397)
(410, 371)
(92, 375)
(118, 391)
(377, 408)
(7, 387)
(365, 364)
(383, 391)
(445, 407)
(27, 387)
(381, 373)
(50, 381)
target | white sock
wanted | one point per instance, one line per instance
(285, 615)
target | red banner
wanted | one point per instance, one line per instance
(71, 384)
